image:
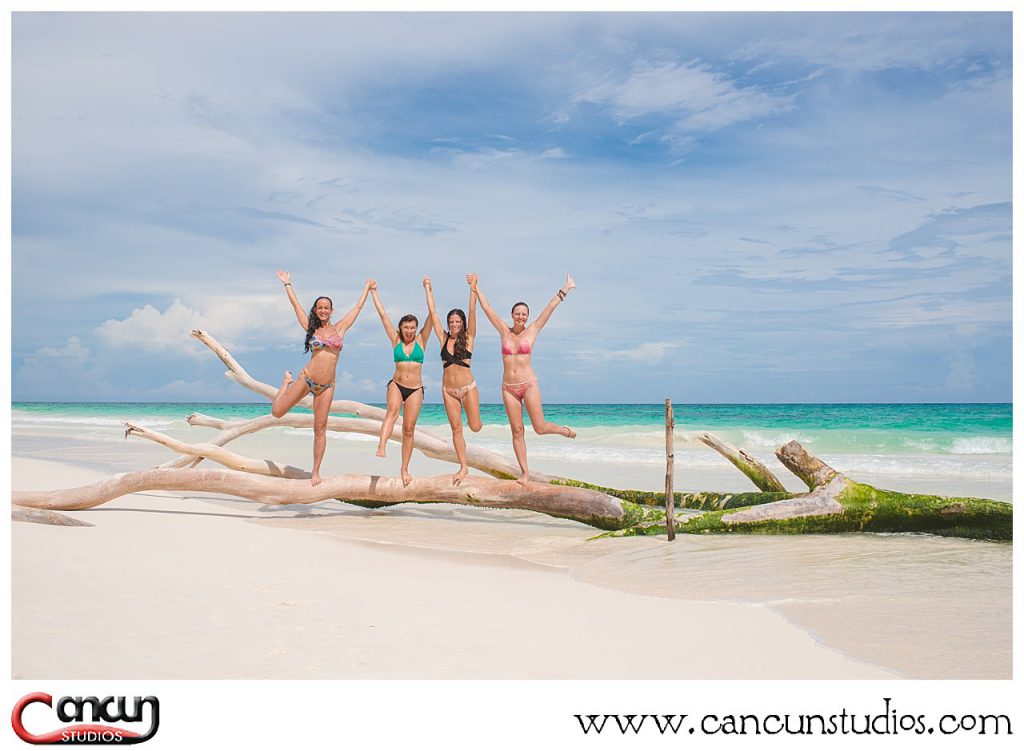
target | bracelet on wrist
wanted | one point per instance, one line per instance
(561, 295)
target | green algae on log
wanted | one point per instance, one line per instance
(836, 504)
(863, 509)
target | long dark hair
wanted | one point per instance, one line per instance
(461, 341)
(523, 304)
(405, 319)
(314, 322)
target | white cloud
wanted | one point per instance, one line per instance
(72, 353)
(49, 369)
(649, 353)
(149, 329)
(703, 99)
(241, 324)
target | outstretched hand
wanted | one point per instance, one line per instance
(569, 282)
(426, 282)
(372, 284)
(471, 280)
(284, 276)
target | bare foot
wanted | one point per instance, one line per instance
(380, 451)
(458, 476)
(523, 479)
(570, 433)
(406, 477)
(316, 479)
(288, 378)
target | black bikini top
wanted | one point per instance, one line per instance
(449, 358)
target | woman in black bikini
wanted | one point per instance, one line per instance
(405, 389)
(324, 339)
(458, 385)
(519, 383)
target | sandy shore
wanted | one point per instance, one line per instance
(165, 586)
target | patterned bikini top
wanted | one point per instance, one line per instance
(332, 342)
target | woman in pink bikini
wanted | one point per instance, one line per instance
(519, 383)
(458, 387)
(324, 339)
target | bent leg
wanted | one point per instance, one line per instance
(514, 410)
(535, 409)
(288, 395)
(471, 403)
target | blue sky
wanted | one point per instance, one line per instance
(756, 207)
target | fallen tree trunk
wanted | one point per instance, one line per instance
(759, 474)
(582, 505)
(837, 504)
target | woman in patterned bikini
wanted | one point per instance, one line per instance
(405, 389)
(324, 339)
(458, 385)
(519, 387)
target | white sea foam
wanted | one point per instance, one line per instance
(760, 440)
(982, 445)
(25, 420)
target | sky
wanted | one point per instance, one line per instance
(756, 207)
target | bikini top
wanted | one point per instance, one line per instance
(332, 342)
(415, 356)
(450, 358)
(523, 348)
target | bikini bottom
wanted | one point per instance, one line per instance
(316, 388)
(407, 392)
(518, 390)
(460, 391)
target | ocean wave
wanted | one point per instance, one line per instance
(982, 445)
(931, 466)
(21, 420)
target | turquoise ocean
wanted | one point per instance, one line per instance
(956, 429)
(950, 449)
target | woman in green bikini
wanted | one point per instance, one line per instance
(405, 389)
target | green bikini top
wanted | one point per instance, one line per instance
(415, 356)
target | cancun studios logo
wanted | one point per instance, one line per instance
(72, 709)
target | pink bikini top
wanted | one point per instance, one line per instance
(522, 349)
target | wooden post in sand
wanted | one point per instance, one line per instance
(670, 461)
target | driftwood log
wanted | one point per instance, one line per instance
(836, 503)
(759, 474)
(580, 504)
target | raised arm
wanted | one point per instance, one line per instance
(545, 314)
(389, 327)
(493, 317)
(286, 278)
(438, 328)
(425, 331)
(345, 323)
(471, 324)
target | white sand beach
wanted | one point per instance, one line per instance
(165, 586)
